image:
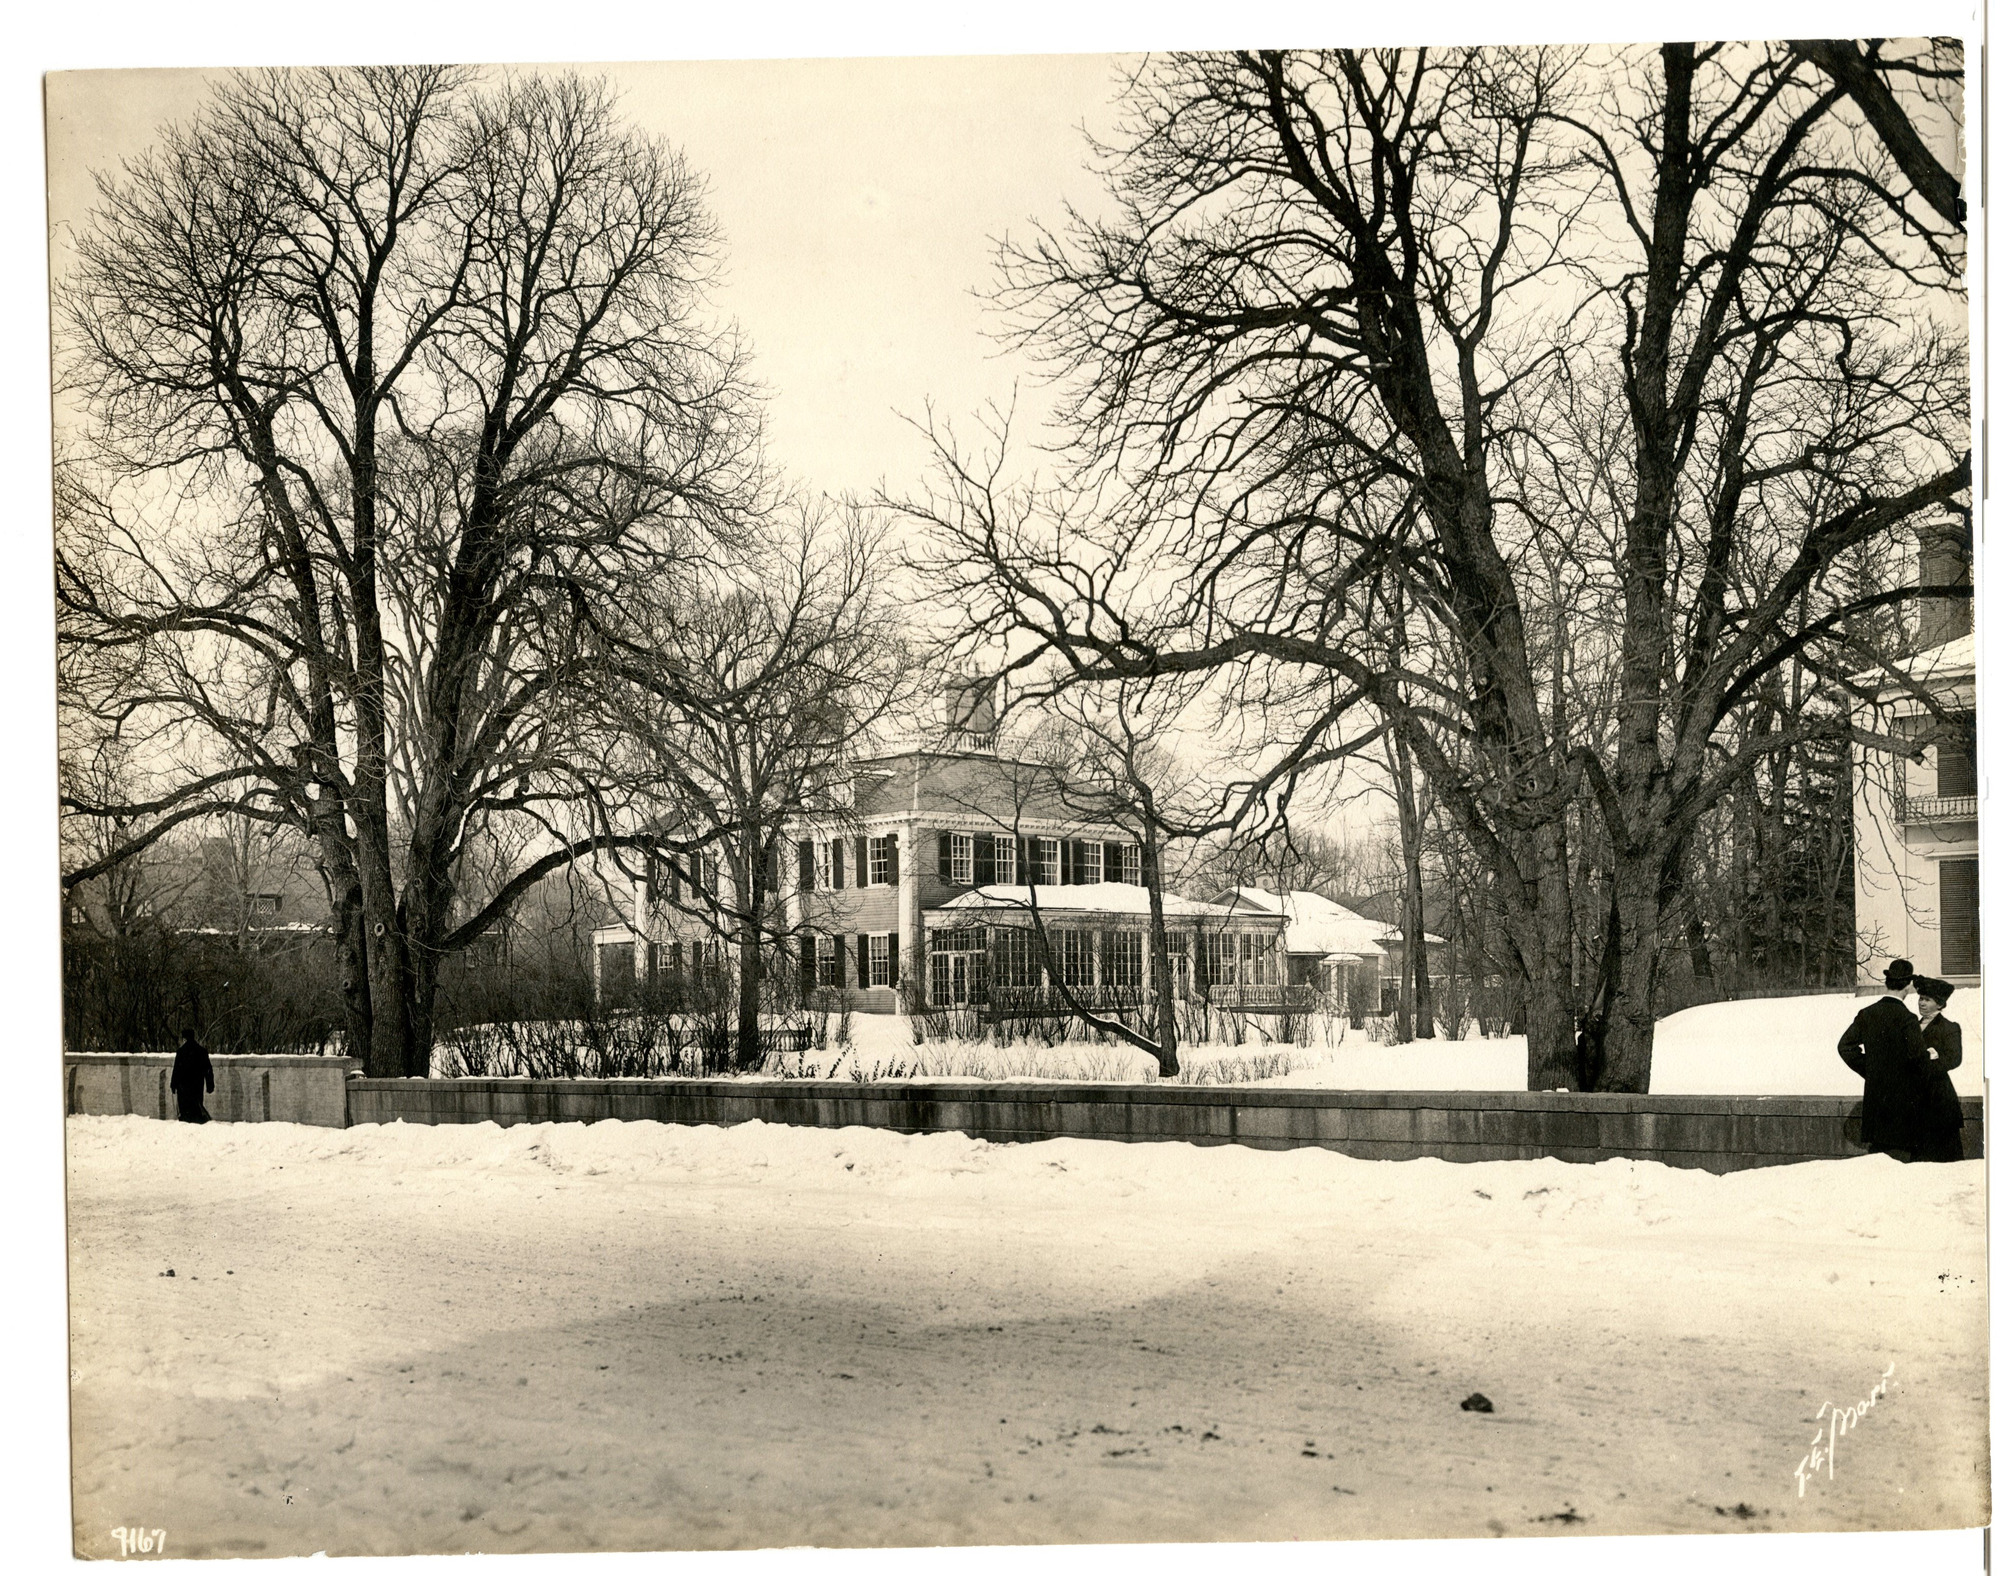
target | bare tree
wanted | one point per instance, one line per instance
(1315, 354)
(374, 383)
(744, 695)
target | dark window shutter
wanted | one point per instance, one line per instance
(840, 961)
(1956, 772)
(861, 860)
(1066, 862)
(895, 859)
(839, 847)
(895, 959)
(944, 856)
(982, 859)
(673, 880)
(808, 963)
(1958, 916)
(806, 871)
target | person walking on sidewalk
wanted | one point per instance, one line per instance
(194, 1075)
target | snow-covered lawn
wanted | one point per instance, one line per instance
(1781, 1045)
(403, 1339)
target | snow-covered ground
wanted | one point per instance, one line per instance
(1780, 1045)
(623, 1335)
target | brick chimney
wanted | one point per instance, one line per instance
(1944, 559)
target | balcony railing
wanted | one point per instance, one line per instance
(1921, 809)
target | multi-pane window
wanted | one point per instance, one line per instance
(1044, 868)
(1077, 958)
(878, 958)
(832, 962)
(1122, 954)
(1091, 870)
(1014, 965)
(1222, 958)
(882, 861)
(961, 860)
(1003, 860)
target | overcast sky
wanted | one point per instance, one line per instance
(859, 201)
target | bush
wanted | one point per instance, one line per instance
(254, 993)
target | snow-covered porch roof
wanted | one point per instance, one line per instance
(1005, 904)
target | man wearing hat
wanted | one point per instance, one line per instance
(1941, 1118)
(1884, 1044)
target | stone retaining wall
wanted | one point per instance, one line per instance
(1710, 1132)
(307, 1089)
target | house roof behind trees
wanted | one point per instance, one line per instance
(1318, 926)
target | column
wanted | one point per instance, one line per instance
(909, 917)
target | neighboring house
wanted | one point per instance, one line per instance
(1385, 909)
(1916, 825)
(928, 887)
(1327, 947)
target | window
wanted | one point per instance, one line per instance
(1091, 870)
(882, 861)
(1014, 965)
(1122, 953)
(266, 903)
(961, 860)
(958, 967)
(1043, 869)
(1222, 958)
(881, 961)
(1003, 860)
(1077, 958)
(1958, 916)
(833, 963)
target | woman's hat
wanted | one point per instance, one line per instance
(1938, 991)
(1898, 974)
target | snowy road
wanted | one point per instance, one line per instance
(416, 1339)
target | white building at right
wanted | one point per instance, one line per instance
(1916, 819)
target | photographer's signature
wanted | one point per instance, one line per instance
(1835, 1423)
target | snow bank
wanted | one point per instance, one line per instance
(1861, 1197)
(1776, 1046)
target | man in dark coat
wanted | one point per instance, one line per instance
(193, 1074)
(1940, 1134)
(1885, 1046)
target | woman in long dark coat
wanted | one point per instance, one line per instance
(1884, 1045)
(194, 1074)
(1941, 1119)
